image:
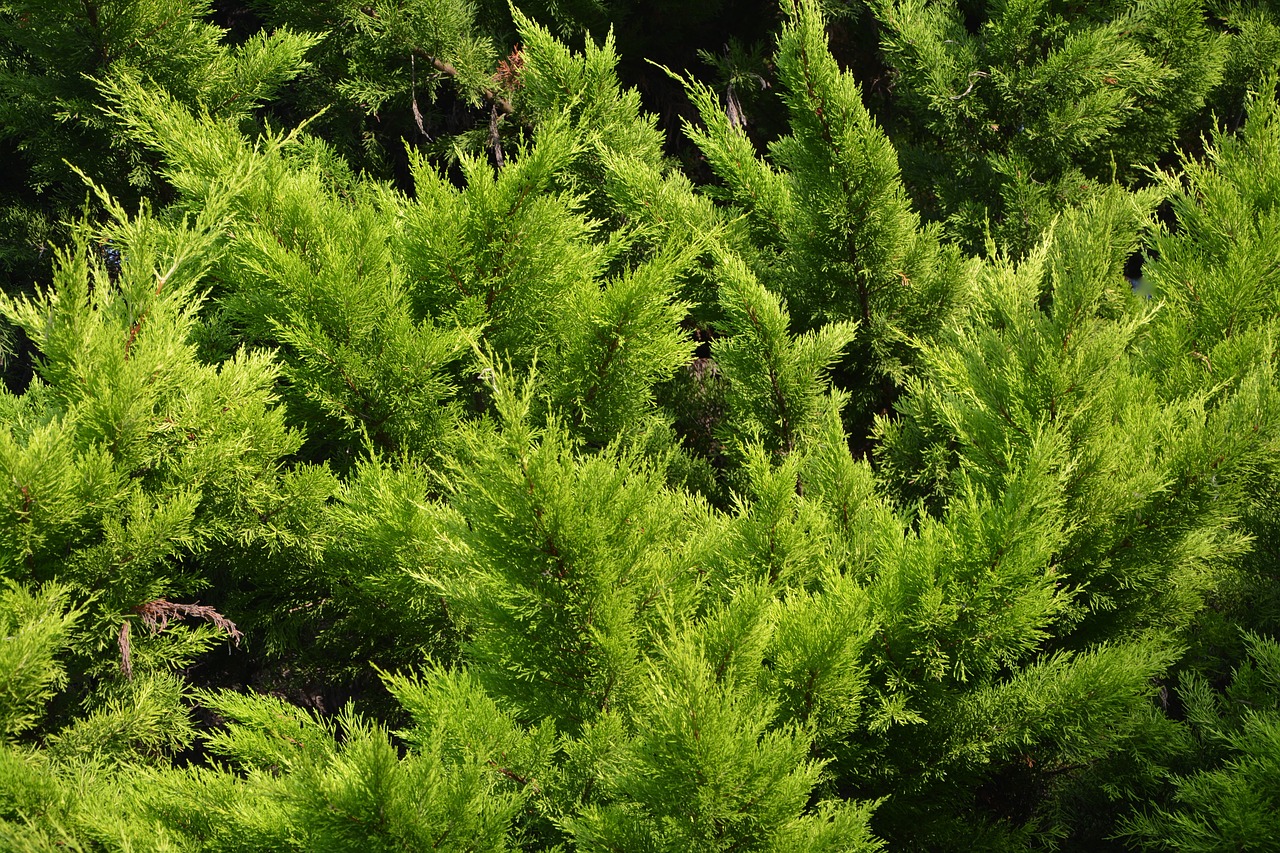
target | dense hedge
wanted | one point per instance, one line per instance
(430, 426)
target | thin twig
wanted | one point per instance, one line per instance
(973, 80)
(495, 138)
(493, 96)
(413, 98)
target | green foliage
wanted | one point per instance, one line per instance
(543, 490)
(129, 452)
(1230, 805)
(831, 215)
(1006, 125)
(570, 556)
(35, 627)
(377, 70)
(553, 81)
(54, 58)
(305, 269)
(775, 387)
(706, 772)
(1142, 467)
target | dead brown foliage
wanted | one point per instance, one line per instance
(157, 614)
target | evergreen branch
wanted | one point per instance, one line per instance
(602, 368)
(457, 282)
(849, 189)
(779, 398)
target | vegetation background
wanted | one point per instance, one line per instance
(608, 425)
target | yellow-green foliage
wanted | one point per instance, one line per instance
(551, 492)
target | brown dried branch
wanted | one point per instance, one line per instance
(156, 616)
(509, 70)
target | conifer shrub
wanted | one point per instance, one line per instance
(547, 495)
